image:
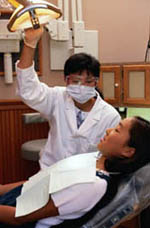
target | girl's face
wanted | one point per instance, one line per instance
(115, 142)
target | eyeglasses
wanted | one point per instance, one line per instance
(81, 80)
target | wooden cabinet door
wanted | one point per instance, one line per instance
(110, 83)
(136, 85)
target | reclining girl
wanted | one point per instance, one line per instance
(123, 150)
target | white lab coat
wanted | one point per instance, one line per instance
(64, 139)
(67, 183)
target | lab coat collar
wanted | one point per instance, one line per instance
(91, 120)
(93, 117)
(71, 113)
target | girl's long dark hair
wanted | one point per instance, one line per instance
(140, 140)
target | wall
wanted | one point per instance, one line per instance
(123, 28)
(13, 133)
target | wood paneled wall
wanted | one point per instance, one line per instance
(13, 133)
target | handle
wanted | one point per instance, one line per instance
(16, 3)
(23, 2)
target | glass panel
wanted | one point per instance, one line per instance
(136, 84)
(108, 84)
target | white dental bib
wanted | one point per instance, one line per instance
(67, 172)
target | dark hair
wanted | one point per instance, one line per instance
(80, 62)
(140, 140)
(99, 92)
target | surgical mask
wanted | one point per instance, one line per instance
(81, 93)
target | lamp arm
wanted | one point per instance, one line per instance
(74, 10)
(16, 3)
(23, 2)
(60, 5)
(66, 10)
(79, 9)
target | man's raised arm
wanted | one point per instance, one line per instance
(31, 39)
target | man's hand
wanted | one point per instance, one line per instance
(32, 36)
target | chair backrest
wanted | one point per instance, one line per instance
(30, 150)
(133, 196)
(34, 117)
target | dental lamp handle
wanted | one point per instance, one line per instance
(23, 2)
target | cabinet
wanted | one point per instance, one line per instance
(110, 83)
(126, 84)
(136, 84)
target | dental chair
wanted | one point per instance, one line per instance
(132, 197)
(30, 150)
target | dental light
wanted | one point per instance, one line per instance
(31, 13)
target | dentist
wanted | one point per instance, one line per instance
(77, 114)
